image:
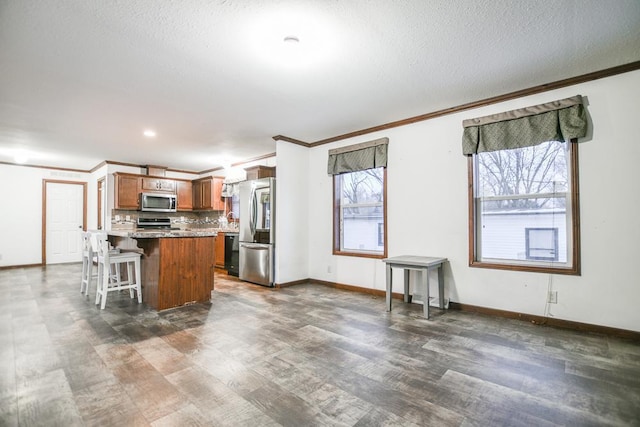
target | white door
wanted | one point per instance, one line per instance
(64, 222)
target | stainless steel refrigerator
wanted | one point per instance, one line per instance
(257, 231)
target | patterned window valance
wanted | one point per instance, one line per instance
(561, 120)
(367, 155)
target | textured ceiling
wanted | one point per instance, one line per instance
(81, 80)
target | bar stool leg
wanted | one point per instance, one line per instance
(138, 280)
(130, 277)
(83, 280)
(100, 281)
(106, 280)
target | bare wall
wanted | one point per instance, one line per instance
(427, 212)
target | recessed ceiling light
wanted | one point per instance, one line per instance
(21, 158)
(149, 133)
(291, 40)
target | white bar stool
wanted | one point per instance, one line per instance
(88, 256)
(113, 282)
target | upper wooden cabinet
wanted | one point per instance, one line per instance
(201, 194)
(184, 190)
(127, 188)
(158, 184)
(257, 172)
(207, 194)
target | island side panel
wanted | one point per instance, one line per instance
(150, 271)
(185, 271)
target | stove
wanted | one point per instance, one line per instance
(155, 223)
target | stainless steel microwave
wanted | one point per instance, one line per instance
(158, 202)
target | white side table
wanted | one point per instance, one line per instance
(420, 263)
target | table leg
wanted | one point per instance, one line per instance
(441, 285)
(389, 280)
(406, 285)
(425, 273)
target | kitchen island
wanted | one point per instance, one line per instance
(177, 265)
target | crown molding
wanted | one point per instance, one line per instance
(621, 69)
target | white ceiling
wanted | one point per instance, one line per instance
(81, 79)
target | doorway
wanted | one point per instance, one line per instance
(64, 217)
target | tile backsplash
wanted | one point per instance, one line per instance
(126, 217)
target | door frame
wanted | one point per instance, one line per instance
(44, 210)
(101, 183)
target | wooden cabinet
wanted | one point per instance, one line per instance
(177, 271)
(158, 184)
(220, 250)
(127, 189)
(257, 172)
(217, 199)
(184, 191)
(207, 194)
(200, 194)
(197, 192)
(204, 196)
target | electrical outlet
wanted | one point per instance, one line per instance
(0, 257)
(328, 269)
(553, 297)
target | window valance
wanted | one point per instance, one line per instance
(367, 155)
(560, 120)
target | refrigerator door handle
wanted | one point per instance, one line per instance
(255, 247)
(253, 208)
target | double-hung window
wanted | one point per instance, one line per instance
(360, 212)
(360, 200)
(523, 188)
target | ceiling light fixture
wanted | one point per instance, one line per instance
(149, 133)
(21, 158)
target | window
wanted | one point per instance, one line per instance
(523, 208)
(523, 187)
(360, 213)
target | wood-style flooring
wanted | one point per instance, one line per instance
(306, 355)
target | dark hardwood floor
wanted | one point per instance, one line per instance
(300, 356)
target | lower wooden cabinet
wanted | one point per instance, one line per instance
(220, 250)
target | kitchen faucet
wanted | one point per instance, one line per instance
(234, 224)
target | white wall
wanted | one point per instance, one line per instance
(427, 212)
(21, 211)
(21, 208)
(292, 216)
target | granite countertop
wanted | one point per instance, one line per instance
(141, 233)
